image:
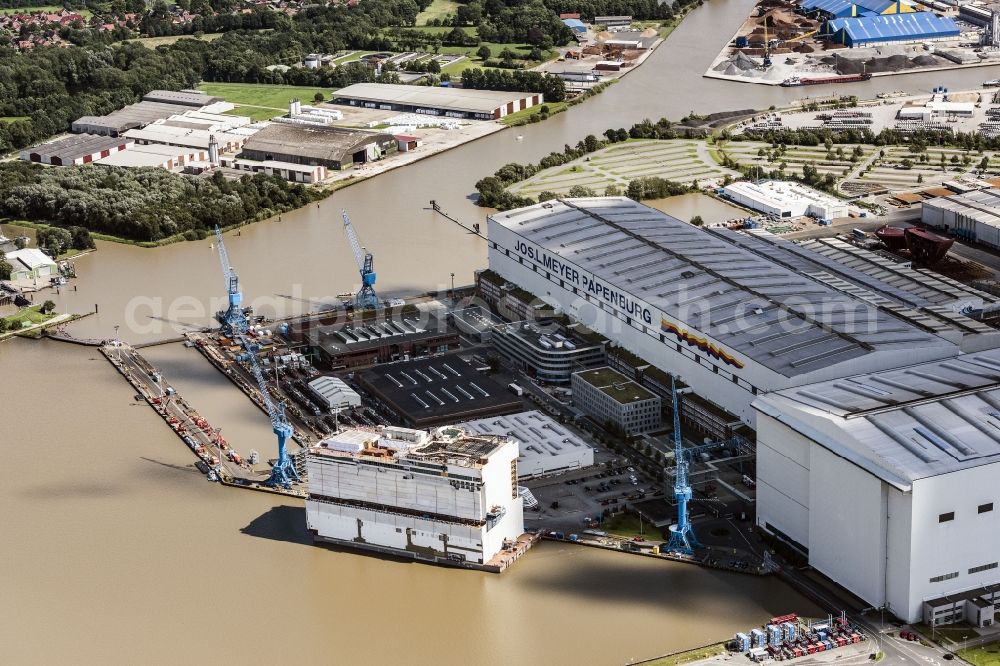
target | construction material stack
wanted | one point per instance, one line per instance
(789, 637)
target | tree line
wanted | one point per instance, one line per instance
(552, 88)
(971, 141)
(147, 204)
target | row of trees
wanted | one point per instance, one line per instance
(514, 21)
(552, 88)
(918, 141)
(58, 240)
(138, 204)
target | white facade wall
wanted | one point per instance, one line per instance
(971, 540)
(782, 480)
(763, 206)
(847, 523)
(491, 488)
(393, 531)
(953, 222)
(500, 477)
(531, 465)
(397, 487)
(729, 386)
(879, 542)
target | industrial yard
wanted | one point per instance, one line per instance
(807, 42)
(365, 130)
(614, 167)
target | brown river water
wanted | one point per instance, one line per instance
(114, 550)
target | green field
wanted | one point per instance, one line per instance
(48, 9)
(516, 117)
(437, 9)
(255, 112)
(261, 101)
(153, 42)
(26, 316)
(11, 119)
(985, 655)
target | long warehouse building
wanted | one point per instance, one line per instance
(973, 216)
(732, 314)
(437, 101)
(329, 147)
(881, 29)
(888, 482)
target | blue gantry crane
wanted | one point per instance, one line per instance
(233, 320)
(283, 472)
(365, 297)
(682, 539)
(235, 326)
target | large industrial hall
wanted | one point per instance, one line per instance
(452, 102)
(888, 481)
(331, 147)
(731, 314)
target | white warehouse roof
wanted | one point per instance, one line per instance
(458, 99)
(905, 424)
(545, 446)
(720, 283)
(783, 195)
(335, 392)
(30, 257)
(182, 136)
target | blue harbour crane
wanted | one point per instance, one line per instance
(235, 326)
(682, 539)
(365, 297)
(233, 320)
(283, 472)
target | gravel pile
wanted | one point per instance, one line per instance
(738, 64)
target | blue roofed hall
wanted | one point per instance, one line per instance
(917, 26)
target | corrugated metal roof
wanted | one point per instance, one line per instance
(876, 6)
(538, 435)
(75, 146)
(930, 301)
(30, 257)
(458, 99)
(916, 25)
(831, 7)
(982, 206)
(903, 424)
(920, 284)
(719, 284)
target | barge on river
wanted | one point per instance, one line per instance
(795, 81)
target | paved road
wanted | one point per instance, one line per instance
(897, 651)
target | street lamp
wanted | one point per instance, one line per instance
(118, 343)
(453, 285)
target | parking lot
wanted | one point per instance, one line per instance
(577, 500)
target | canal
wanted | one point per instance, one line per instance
(303, 260)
